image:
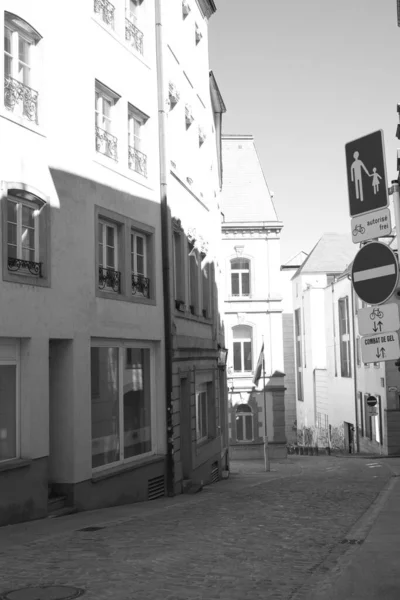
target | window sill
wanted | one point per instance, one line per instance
(120, 469)
(25, 279)
(188, 315)
(120, 38)
(15, 463)
(133, 299)
(204, 442)
(22, 121)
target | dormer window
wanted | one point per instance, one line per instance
(202, 136)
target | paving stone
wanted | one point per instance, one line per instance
(254, 536)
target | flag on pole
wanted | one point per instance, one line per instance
(259, 367)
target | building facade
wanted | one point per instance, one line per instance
(191, 108)
(83, 418)
(253, 302)
(332, 381)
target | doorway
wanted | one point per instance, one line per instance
(186, 429)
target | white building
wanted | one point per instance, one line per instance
(253, 301)
(287, 272)
(191, 109)
(333, 383)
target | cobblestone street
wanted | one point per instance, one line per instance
(253, 536)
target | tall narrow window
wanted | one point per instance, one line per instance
(244, 423)
(193, 278)
(299, 361)
(19, 43)
(240, 277)
(136, 126)
(23, 236)
(140, 281)
(106, 142)
(133, 33)
(205, 277)
(178, 279)
(368, 423)
(109, 276)
(360, 413)
(201, 413)
(242, 349)
(344, 334)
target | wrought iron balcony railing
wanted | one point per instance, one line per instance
(109, 279)
(16, 93)
(19, 264)
(106, 10)
(134, 35)
(140, 285)
(137, 161)
(106, 143)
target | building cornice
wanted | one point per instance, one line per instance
(262, 229)
(207, 7)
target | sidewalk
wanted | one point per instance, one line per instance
(369, 571)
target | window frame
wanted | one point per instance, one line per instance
(136, 116)
(201, 390)
(21, 30)
(122, 347)
(103, 93)
(125, 226)
(298, 352)
(241, 342)
(179, 287)
(23, 194)
(344, 337)
(242, 415)
(240, 273)
(16, 362)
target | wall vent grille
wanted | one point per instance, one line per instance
(214, 472)
(156, 488)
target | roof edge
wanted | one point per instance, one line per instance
(237, 136)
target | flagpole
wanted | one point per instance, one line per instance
(266, 457)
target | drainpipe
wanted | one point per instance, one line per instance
(165, 241)
(355, 365)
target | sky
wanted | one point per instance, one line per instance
(305, 77)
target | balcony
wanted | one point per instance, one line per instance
(106, 143)
(19, 264)
(105, 10)
(134, 36)
(140, 285)
(17, 94)
(137, 161)
(109, 280)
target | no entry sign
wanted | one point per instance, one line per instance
(375, 273)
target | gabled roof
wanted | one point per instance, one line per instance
(245, 193)
(333, 253)
(296, 261)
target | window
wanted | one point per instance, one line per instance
(105, 10)
(185, 8)
(133, 34)
(358, 351)
(178, 266)
(299, 362)
(201, 412)
(240, 277)
(244, 423)
(193, 278)
(242, 349)
(205, 278)
(344, 337)
(140, 281)
(19, 44)
(25, 237)
(137, 158)
(121, 404)
(368, 424)
(198, 34)
(109, 276)
(360, 413)
(106, 143)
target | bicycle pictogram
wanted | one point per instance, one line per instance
(376, 312)
(358, 229)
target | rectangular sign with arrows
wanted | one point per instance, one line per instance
(380, 348)
(378, 319)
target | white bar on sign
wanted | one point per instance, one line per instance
(373, 273)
